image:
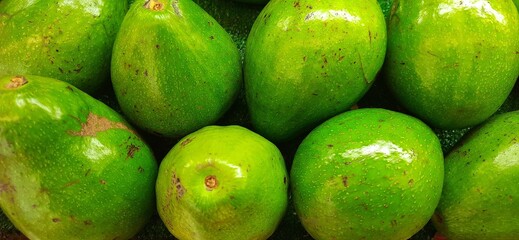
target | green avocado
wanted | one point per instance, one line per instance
(222, 183)
(306, 61)
(367, 174)
(452, 63)
(516, 2)
(72, 168)
(69, 40)
(479, 199)
(183, 75)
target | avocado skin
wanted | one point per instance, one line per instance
(182, 76)
(480, 188)
(72, 168)
(307, 61)
(367, 174)
(251, 193)
(66, 40)
(452, 63)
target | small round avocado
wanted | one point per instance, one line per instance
(480, 193)
(71, 167)
(367, 174)
(452, 63)
(222, 183)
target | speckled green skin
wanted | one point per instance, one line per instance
(183, 75)
(307, 61)
(452, 63)
(71, 167)
(367, 174)
(479, 200)
(250, 198)
(67, 40)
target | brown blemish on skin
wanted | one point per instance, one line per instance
(174, 4)
(71, 183)
(16, 82)
(211, 182)
(132, 149)
(393, 223)
(56, 220)
(411, 183)
(95, 124)
(185, 142)
(87, 222)
(7, 188)
(345, 181)
(178, 186)
(285, 180)
(103, 182)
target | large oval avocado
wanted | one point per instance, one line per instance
(306, 61)
(367, 174)
(222, 183)
(67, 40)
(71, 168)
(452, 63)
(479, 199)
(174, 68)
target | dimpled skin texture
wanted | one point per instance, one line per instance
(367, 174)
(183, 75)
(251, 193)
(69, 40)
(479, 199)
(452, 63)
(72, 168)
(306, 61)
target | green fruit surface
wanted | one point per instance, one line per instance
(479, 199)
(72, 168)
(249, 196)
(183, 75)
(452, 63)
(306, 61)
(67, 40)
(367, 174)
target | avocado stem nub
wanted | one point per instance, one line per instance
(211, 183)
(154, 5)
(17, 82)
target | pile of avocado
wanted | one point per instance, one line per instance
(257, 119)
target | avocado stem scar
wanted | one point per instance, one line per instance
(211, 183)
(16, 82)
(154, 5)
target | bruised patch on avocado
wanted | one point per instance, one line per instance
(16, 82)
(211, 182)
(95, 124)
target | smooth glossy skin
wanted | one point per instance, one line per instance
(479, 199)
(174, 68)
(67, 40)
(367, 174)
(452, 63)
(307, 61)
(72, 168)
(250, 193)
